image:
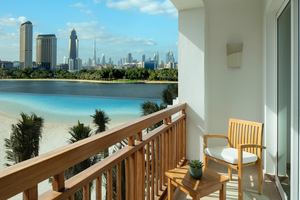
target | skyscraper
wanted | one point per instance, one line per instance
(103, 61)
(156, 59)
(129, 58)
(143, 58)
(74, 61)
(170, 57)
(46, 51)
(95, 55)
(26, 44)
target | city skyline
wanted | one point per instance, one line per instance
(131, 28)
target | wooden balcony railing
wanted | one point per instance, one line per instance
(144, 161)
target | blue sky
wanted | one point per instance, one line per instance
(119, 26)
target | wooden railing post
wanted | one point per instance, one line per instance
(99, 188)
(140, 170)
(184, 133)
(130, 173)
(31, 193)
(58, 182)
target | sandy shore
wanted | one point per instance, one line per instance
(54, 135)
(94, 81)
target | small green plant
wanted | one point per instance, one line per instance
(196, 164)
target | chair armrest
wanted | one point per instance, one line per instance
(209, 136)
(243, 146)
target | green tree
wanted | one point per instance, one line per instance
(170, 93)
(148, 108)
(100, 119)
(80, 132)
(24, 141)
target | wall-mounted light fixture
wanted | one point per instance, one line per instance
(234, 54)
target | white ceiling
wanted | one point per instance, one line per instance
(187, 4)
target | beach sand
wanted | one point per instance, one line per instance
(54, 135)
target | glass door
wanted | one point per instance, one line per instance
(284, 98)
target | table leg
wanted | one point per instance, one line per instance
(170, 190)
(223, 192)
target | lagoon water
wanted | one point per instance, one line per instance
(62, 104)
(72, 101)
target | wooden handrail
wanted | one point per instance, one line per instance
(28, 174)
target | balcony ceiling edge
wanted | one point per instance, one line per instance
(187, 4)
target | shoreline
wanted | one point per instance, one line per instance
(93, 81)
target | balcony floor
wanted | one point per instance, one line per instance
(250, 186)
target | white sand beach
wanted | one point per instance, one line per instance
(55, 134)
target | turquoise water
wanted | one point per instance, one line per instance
(59, 101)
(69, 106)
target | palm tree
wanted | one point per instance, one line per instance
(79, 132)
(170, 93)
(100, 119)
(149, 107)
(24, 141)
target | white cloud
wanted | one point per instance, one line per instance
(82, 8)
(12, 21)
(92, 30)
(152, 7)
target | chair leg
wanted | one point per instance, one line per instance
(260, 176)
(240, 174)
(240, 182)
(230, 173)
(205, 159)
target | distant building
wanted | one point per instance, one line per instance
(129, 58)
(152, 65)
(65, 60)
(110, 61)
(74, 61)
(46, 51)
(95, 55)
(26, 44)
(63, 66)
(170, 57)
(6, 64)
(103, 61)
(170, 60)
(90, 62)
(156, 59)
(143, 58)
(171, 65)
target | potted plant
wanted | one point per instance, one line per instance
(195, 168)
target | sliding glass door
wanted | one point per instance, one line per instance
(284, 98)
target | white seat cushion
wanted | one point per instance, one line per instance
(229, 155)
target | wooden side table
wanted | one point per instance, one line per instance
(210, 182)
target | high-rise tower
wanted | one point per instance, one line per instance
(95, 55)
(74, 61)
(73, 54)
(46, 51)
(26, 44)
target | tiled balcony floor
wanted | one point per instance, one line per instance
(250, 186)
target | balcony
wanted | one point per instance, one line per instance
(145, 159)
(135, 171)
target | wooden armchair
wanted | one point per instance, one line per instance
(244, 148)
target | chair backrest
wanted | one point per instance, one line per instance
(245, 132)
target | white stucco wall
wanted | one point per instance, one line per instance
(214, 92)
(192, 75)
(233, 92)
